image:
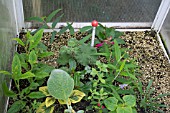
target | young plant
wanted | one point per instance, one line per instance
(103, 35)
(26, 66)
(127, 106)
(45, 20)
(22, 96)
(147, 102)
(60, 86)
(81, 53)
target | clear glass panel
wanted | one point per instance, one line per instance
(165, 32)
(101, 10)
(7, 31)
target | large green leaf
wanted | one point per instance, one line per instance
(49, 18)
(117, 51)
(37, 95)
(36, 39)
(6, 90)
(16, 67)
(63, 30)
(56, 21)
(84, 39)
(71, 29)
(111, 103)
(38, 19)
(53, 36)
(127, 109)
(17, 106)
(26, 75)
(86, 28)
(5, 72)
(130, 100)
(45, 54)
(32, 57)
(60, 84)
(19, 41)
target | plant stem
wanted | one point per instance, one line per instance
(17, 85)
(116, 76)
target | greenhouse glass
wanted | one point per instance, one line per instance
(102, 10)
(165, 32)
(7, 31)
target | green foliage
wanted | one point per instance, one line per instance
(26, 66)
(129, 102)
(17, 106)
(147, 102)
(45, 20)
(81, 53)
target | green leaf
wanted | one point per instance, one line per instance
(134, 110)
(44, 90)
(127, 109)
(63, 30)
(26, 75)
(117, 51)
(38, 19)
(19, 41)
(84, 39)
(49, 101)
(36, 39)
(5, 72)
(76, 96)
(71, 29)
(32, 57)
(122, 65)
(72, 64)
(53, 36)
(118, 34)
(140, 87)
(49, 18)
(160, 96)
(60, 84)
(76, 78)
(56, 21)
(116, 95)
(86, 28)
(7, 92)
(16, 67)
(45, 54)
(130, 100)
(36, 95)
(43, 109)
(33, 86)
(41, 74)
(149, 86)
(120, 41)
(111, 103)
(17, 106)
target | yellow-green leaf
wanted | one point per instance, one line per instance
(19, 41)
(49, 101)
(76, 96)
(64, 101)
(44, 90)
(43, 109)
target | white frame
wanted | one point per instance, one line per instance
(19, 14)
(161, 15)
(125, 25)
